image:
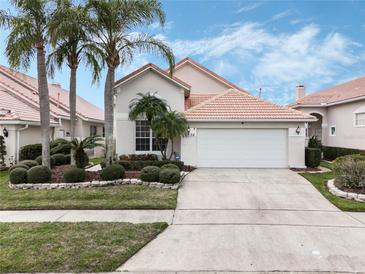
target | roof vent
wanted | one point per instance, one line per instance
(300, 91)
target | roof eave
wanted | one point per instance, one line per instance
(251, 120)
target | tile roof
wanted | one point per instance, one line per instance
(238, 105)
(196, 99)
(25, 88)
(208, 71)
(346, 91)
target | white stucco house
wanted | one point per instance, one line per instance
(228, 127)
(19, 113)
(340, 111)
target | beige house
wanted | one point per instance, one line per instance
(19, 113)
(228, 127)
(340, 111)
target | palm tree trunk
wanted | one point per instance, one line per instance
(44, 105)
(109, 115)
(172, 148)
(72, 100)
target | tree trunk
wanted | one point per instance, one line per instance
(109, 115)
(172, 148)
(72, 100)
(44, 105)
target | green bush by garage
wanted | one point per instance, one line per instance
(169, 176)
(331, 153)
(312, 157)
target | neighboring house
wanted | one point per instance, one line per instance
(228, 127)
(19, 112)
(340, 111)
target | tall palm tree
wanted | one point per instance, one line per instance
(27, 38)
(148, 105)
(113, 27)
(169, 125)
(67, 31)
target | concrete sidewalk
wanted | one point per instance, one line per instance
(131, 216)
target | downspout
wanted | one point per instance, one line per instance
(18, 140)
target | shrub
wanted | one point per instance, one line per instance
(30, 152)
(138, 165)
(169, 176)
(59, 159)
(39, 175)
(18, 176)
(350, 170)
(60, 146)
(138, 157)
(150, 174)
(29, 163)
(67, 159)
(172, 166)
(39, 159)
(331, 153)
(74, 175)
(18, 165)
(312, 157)
(112, 172)
(314, 142)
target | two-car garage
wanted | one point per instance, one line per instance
(242, 148)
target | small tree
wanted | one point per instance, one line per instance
(148, 105)
(79, 147)
(169, 125)
(2, 151)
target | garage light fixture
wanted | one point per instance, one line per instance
(298, 130)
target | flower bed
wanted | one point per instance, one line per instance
(346, 193)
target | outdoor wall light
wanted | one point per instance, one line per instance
(298, 130)
(5, 132)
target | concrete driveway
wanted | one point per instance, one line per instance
(254, 220)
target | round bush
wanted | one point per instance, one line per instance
(67, 159)
(112, 172)
(18, 176)
(74, 175)
(39, 175)
(150, 174)
(39, 159)
(59, 159)
(170, 166)
(169, 176)
(29, 163)
(18, 165)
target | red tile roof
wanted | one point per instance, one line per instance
(351, 90)
(196, 99)
(238, 105)
(24, 88)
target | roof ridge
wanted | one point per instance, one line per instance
(208, 71)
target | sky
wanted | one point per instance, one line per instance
(272, 45)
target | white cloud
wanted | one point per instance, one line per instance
(281, 15)
(249, 7)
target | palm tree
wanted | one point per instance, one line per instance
(79, 147)
(148, 105)
(67, 31)
(113, 28)
(27, 38)
(169, 125)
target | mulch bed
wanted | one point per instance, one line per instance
(305, 169)
(341, 186)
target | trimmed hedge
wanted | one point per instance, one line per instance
(171, 166)
(19, 165)
(331, 153)
(39, 175)
(74, 175)
(112, 172)
(30, 152)
(150, 174)
(312, 157)
(39, 159)
(169, 176)
(59, 159)
(138, 165)
(139, 157)
(18, 176)
(29, 163)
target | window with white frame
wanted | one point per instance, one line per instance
(360, 119)
(145, 139)
(332, 130)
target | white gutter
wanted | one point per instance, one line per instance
(331, 104)
(18, 140)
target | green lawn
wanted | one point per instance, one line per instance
(114, 197)
(319, 181)
(71, 247)
(96, 161)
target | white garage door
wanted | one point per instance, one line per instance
(252, 148)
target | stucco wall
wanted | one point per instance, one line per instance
(10, 142)
(341, 116)
(296, 143)
(199, 81)
(150, 81)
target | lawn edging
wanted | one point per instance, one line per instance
(344, 194)
(125, 181)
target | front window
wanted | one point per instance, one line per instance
(145, 139)
(93, 130)
(360, 119)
